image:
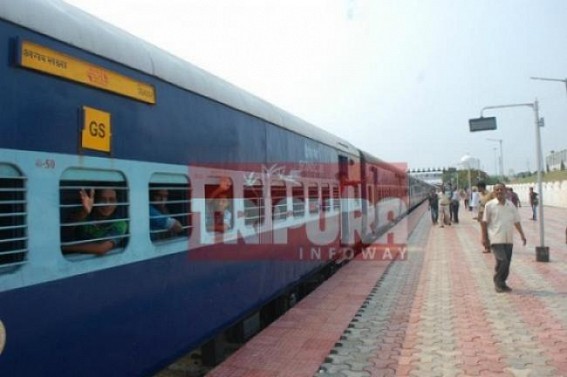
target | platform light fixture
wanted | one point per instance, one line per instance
(501, 159)
(542, 252)
(548, 79)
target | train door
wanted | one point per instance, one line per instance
(346, 202)
(364, 195)
(369, 212)
(376, 197)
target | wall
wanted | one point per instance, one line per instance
(554, 193)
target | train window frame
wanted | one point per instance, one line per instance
(178, 206)
(254, 201)
(278, 202)
(71, 182)
(14, 246)
(326, 204)
(213, 188)
(298, 195)
(313, 198)
(356, 194)
(336, 197)
(370, 193)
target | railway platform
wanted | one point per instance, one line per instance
(435, 313)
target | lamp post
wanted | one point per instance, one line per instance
(546, 79)
(466, 162)
(457, 171)
(542, 252)
(495, 160)
(501, 159)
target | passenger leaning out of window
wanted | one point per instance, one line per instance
(99, 232)
(159, 216)
(219, 217)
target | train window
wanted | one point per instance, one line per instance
(254, 204)
(357, 195)
(298, 195)
(13, 213)
(313, 192)
(370, 194)
(326, 197)
(170, 206)
(279, 200)
(336, 200)
(93, 211)
(219, 205)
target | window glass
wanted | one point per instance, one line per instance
(254, 204)
(279, 200)
(298, 195)
(93, 211)
(170, 206)
(13, 213)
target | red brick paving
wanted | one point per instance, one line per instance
(456, 324)
(307, 332)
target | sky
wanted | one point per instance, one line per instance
(397, 78)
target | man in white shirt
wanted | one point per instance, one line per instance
(499, 219)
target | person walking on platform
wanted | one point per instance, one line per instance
(533, 203)
(454, 207)
(444, 202)
(499, 219)
(433, 206)
(475, 199)
(465, 198)
(513, 197)
(484, 197)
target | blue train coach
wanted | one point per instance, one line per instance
(116, 160)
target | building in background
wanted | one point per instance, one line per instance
(556, 160)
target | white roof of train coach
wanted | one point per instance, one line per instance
(71, 25)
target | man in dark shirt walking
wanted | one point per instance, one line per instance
(433, 206)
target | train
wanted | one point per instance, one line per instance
(88, 108)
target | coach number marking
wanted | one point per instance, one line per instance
(96, 134)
